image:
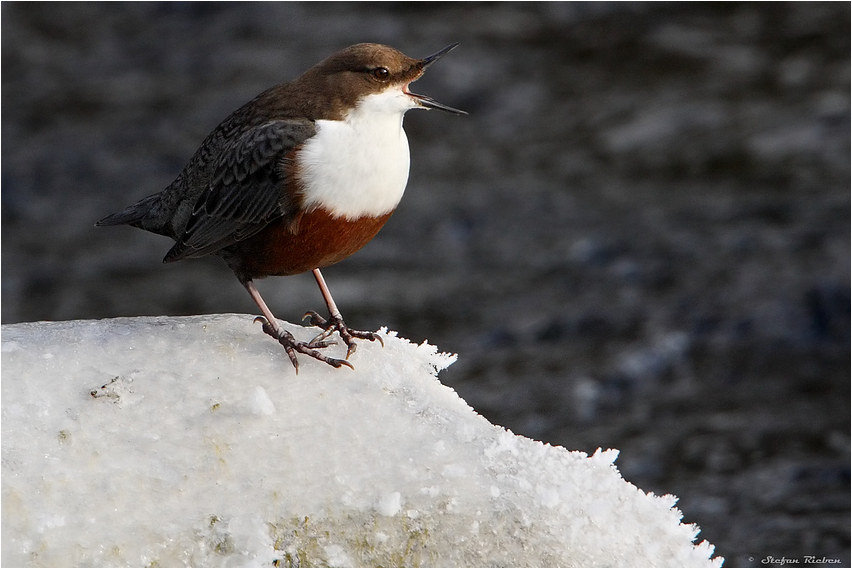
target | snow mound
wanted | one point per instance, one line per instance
(191, 441)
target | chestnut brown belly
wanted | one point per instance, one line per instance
(316, 241)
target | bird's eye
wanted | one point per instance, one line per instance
(381, 73)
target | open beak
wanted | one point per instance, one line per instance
(428, 102)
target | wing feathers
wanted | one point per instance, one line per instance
(248, 188)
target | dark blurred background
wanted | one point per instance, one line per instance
(639, 238)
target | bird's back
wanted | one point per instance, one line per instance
(168, 212)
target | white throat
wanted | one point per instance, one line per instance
(358, 167)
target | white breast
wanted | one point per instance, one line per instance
(358, 167)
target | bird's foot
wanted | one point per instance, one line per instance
(290, 344)
(336, 324)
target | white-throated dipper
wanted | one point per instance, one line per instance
(297, 179)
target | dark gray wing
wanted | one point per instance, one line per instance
(247, 189)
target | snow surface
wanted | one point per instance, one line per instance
(191, 441)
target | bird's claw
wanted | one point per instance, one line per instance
(291, 346)
(336, 324)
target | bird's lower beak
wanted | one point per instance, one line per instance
(430, 103)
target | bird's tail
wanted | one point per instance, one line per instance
(140, 214)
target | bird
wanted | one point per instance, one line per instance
(297, 179)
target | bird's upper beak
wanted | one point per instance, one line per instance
(427, 61)
(428, 102)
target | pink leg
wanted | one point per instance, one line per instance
(285, 338)
(326, 294)
(335, 321)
